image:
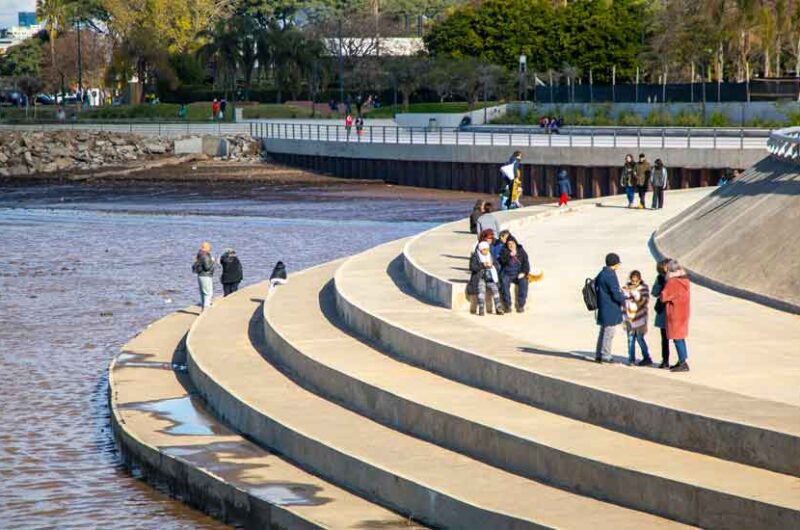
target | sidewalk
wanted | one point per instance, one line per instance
(734, 345)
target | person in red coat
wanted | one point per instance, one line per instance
(676, 300)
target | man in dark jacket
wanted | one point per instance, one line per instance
(609, 307)
(514, 270)
(231, 272)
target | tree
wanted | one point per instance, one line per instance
(53, 14)
(23, 59)
(30, 86)
(406, 74)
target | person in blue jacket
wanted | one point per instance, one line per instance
(609, 307)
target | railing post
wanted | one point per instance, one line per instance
(570, 139)
(457, 131)
(473, 137)
(529, 138)
(411, 135)
(370, 134)
(396, 134)
(549, 140)
(441, 141)
(688, 138)
(715, 137)
(383, 132)
(663, 137)
(591, 138)
(491, 137)
(638, 138)
(426, 135)
(741, 138)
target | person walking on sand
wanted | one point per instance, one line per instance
(627, 178)
(609, 307)
(661, 314)
(231, 271)
(642, 179)
(203, 266)
(676, 299)
(660, 180)
(637, 298)
(488, 220)
(564, 187)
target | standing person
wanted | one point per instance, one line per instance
(231, 271)
(564, 187)
(477, 211)
(214, 109)
(676, 298)
(642, 178)
(487, 220)
(511, 187)
(359, 125)
(609, 307)
(484, 276)
(182, 111)
(203, 266)
(627, 178)
(223, 105)
(348, 123)
(661, 314)
(660, 182)
(514, 270)
(637, 296)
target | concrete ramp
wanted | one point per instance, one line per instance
(744, 239)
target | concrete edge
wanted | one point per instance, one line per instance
(395, 492)
(736, 441)
(722, 287)
(685, 502)
(197, 487)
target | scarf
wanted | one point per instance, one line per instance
(486, 259)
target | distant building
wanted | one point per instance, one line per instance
(371, 46)
(27, 19)
(16, 34)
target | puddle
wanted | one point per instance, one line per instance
(289, 494)
(186, 418)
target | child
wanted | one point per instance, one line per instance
(661, 313)
(637, 295)
(484, 275)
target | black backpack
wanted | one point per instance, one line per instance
(589, 295)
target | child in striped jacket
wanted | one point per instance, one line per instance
(637, 296)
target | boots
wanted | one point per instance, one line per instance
(481, 310)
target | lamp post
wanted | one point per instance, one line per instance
(523, 69)
(80, 64)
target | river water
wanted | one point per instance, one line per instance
(85, 267)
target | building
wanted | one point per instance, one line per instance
(27, 19)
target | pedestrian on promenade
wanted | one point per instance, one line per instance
(676, 298)
(637, 298)
(359, 126)
(564, 187)
(231, 271)
(203, 266)
(514, 269)
(661, 314)
(660, 182)
(511, 186)
(348, 123)
(484, 276)
(627, 178)
(214, 109)
(642, 179)
(477, 211)
(609, 307)
(488, 220)
(278, 275)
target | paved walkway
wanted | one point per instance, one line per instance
(734, 344)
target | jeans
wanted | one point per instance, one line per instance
(206, 284)
(642, 190)
(522, 290)
(605, 340)
(228, 288)
(658, 197)
(633, 338)
(629, 191)
(680, 345)
(664, 347)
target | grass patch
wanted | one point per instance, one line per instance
(448, 107)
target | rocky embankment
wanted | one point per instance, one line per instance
(33, 152)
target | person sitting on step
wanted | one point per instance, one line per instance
(484, 276)
(514, 270)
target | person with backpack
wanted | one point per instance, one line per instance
(661, 315)
(203, 266)
(627, 178)
(637, 298)
(231, 272)
(564, 187)
(609, 298)
(660, 181)
(676, 299)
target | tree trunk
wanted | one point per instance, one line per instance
(766, 62)
(406, 99)
(778, 56)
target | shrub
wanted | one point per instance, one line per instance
(719, 119)
(687, 118)
(659, 118)
(629, 118)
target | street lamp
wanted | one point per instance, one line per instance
(523, 69)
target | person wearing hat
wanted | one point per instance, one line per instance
(484, 275)
(610, 300)
(203, 266)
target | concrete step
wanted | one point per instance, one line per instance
(690, 487)
(163, 429)
(374, 300)
(437, 486)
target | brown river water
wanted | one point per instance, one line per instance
(85, 267)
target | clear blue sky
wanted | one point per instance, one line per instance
(9, 9)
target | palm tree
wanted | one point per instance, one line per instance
(53, 13)
(223, 49)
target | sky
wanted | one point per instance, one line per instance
(9, 9)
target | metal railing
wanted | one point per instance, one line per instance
(609, 137)
(785, 143)
(171, 129)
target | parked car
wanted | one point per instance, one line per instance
(12, 97)
(44, 99)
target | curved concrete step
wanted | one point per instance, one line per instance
(434, 485)
(161, 427)
(581, 457)
(376, 302)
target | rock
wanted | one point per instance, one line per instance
(155, 148)
(15, 171)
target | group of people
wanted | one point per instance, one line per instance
(629, 305)
(359, 122)
(218, 108)
(550, 124)
(497, 263)
(637, 177)
(204, 266)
